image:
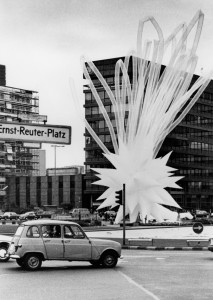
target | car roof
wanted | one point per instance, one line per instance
(47, 222)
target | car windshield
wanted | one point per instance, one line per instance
(19, 231)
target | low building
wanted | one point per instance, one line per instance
(26, 192)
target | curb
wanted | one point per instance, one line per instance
(165, 248)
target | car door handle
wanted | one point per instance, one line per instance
(47, 241)
(66, 242)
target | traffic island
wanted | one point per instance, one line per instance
(166, 244)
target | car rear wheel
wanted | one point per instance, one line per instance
(32, 262)
(3, 252)
(109, 260)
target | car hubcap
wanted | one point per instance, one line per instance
(33, 262)
(109, 260)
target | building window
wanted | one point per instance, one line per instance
(88, 111)
(95, 110)
(60, 182)
(28, 191)
(49, 193)
(38, 190)
(101, 94)
(17, 191)
(72, 182)
(60, 190)
(88, 96)
(108, 108)
(49, 182)
(101, 124)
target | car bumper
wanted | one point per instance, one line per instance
(13, 256)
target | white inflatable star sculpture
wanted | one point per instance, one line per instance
(146, 106)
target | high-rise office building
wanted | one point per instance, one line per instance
(191, 143)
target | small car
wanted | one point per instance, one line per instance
(9, 215)
(30, 215)
(5, 242)
(39, 240)
(82, 213)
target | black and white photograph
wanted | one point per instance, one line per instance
(106, 149)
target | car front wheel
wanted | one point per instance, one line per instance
(109, 260)
(32, 262)
(3, 253)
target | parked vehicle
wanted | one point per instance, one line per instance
(80, 214)
(30, 215)
(10, 215)
(210, 247)
(111, 213)
(44, 214)
(201, 213)
(40, 240)
(5, 242)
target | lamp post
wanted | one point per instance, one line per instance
(6, 199)
(55, 146)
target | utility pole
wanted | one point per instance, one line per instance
(121, 200)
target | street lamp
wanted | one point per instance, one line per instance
(55, 146)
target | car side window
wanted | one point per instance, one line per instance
(68, 233)
(33, 232)
(51, 231)
(78, 233)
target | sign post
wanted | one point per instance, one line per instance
(124, 205)
(121, 200)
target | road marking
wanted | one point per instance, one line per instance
(123, 261)
(138, 256)
(130, 280)
(160, 257)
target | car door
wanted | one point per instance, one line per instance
(76, 244)
(53, 242)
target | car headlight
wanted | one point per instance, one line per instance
(11, 250)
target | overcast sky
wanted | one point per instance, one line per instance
(42, 41)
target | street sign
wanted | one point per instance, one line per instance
(198, 227)
(36, 133)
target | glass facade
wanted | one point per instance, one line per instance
(191, 143)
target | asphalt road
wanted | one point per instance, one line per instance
(141, 274)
